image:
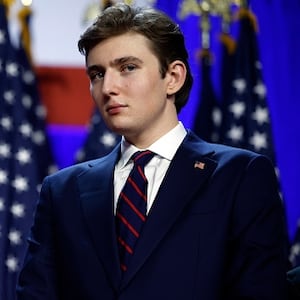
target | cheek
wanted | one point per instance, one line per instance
(148, 87)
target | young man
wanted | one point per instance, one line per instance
(213, 226)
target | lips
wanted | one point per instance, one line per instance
(115, 108)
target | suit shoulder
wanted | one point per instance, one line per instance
(73, 170)
(242, 159)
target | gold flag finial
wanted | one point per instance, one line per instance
(213, 7)
(7, 4)
(128, 2)
(188, 7)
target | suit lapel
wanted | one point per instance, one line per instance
(187, 174)
(96, 193)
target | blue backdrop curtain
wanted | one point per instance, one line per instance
(280, 48)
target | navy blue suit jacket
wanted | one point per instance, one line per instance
(215, 232)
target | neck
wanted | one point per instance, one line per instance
(146, 140)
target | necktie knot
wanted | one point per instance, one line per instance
(141, 158)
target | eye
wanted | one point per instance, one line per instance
(128, 68)
(96, 75)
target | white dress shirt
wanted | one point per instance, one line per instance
(164, 148)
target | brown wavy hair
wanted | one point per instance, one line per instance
(165, 36)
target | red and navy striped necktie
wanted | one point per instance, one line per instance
(132, 207)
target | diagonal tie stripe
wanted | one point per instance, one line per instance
(124, 220)
(132, 206)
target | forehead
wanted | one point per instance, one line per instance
(124, 45)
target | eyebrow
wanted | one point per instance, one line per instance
(125, 59)
(116, 62)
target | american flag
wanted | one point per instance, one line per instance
(246, 118)
(208, 116)
(100, 140)
(23, 145)
(246, 121)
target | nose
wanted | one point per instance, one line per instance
(110, 85)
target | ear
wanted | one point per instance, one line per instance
(176, 75)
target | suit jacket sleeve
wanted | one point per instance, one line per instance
(257, 257)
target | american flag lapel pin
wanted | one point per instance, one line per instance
(200, 165)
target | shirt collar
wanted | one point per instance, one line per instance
(166, 146)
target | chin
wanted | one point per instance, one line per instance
(117, 128)
(125, 131)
